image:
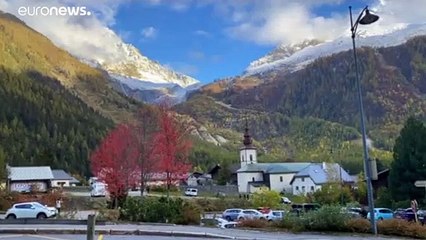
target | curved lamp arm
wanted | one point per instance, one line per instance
(354, 27)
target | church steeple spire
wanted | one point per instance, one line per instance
(247, 138)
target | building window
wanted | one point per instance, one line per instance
(242, 158)
(252, 179)
(281, 178)
(312, 188)
(303, 188)
(303, 179)
(251, 158)
(297, 188)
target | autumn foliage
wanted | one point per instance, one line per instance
(114, 161)
(130, 154)
(172, 146)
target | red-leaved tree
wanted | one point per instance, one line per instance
(145, 130)
(172, 146)
(114, 162)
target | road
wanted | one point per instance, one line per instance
(169, 229)
(83, 237)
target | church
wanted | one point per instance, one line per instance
(280, 177)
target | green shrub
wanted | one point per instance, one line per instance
(327, 218)
(399, 227)
(160, 210)
(292, 223)
(163, 189)
(266, 198)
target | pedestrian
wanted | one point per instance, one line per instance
(58, 205)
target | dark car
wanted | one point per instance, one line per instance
(421, 215)
(406, 214)
(303, 208)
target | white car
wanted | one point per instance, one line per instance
(30, 210)
(98, 189)
(193, 192)
(223, 223)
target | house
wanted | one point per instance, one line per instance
(160, 179)
(26, 179)
(199, 179)
(314, 176)
(253, 176)
(62, 179)
(382, 180)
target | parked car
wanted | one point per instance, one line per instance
(421, 215)
(30, 210)
(231, 214)
(192, 192)
(285, 200)
(264, 210)
(223, 223)
(381, 214)
(98, 189)
(406, 214)
(276, 215)
(353, 212)
(251, 214)
(304, 207)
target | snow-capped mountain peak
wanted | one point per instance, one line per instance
(135, 65)
(297, 58)
(283, 51)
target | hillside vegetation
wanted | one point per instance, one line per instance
(313, 114)
(53, 108)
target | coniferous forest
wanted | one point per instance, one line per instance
(42, 123)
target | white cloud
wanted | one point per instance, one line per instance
(291, 21)
(84, 36)
(196, 55)
(202, 33)
(149, 32)
(177, 5)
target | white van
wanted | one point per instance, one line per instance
(192, 192)
(98, 189)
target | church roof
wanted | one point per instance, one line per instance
(321, 173)
(274, 167)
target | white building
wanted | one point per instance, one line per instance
(63, 179)
(253, 175)
(311, 178)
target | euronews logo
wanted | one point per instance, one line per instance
(54, 11)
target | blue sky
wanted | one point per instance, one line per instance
(194, 40)
(206, 39)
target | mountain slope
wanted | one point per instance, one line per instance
(54, 109)
(295, 57)
(393, 79)
(312, 113)
(24, 49)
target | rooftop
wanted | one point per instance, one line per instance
(30, 173)
(321, 173)
(271, 168)
(59, 174)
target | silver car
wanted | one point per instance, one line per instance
(251, 214)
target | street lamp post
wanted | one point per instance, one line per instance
(368, 18)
